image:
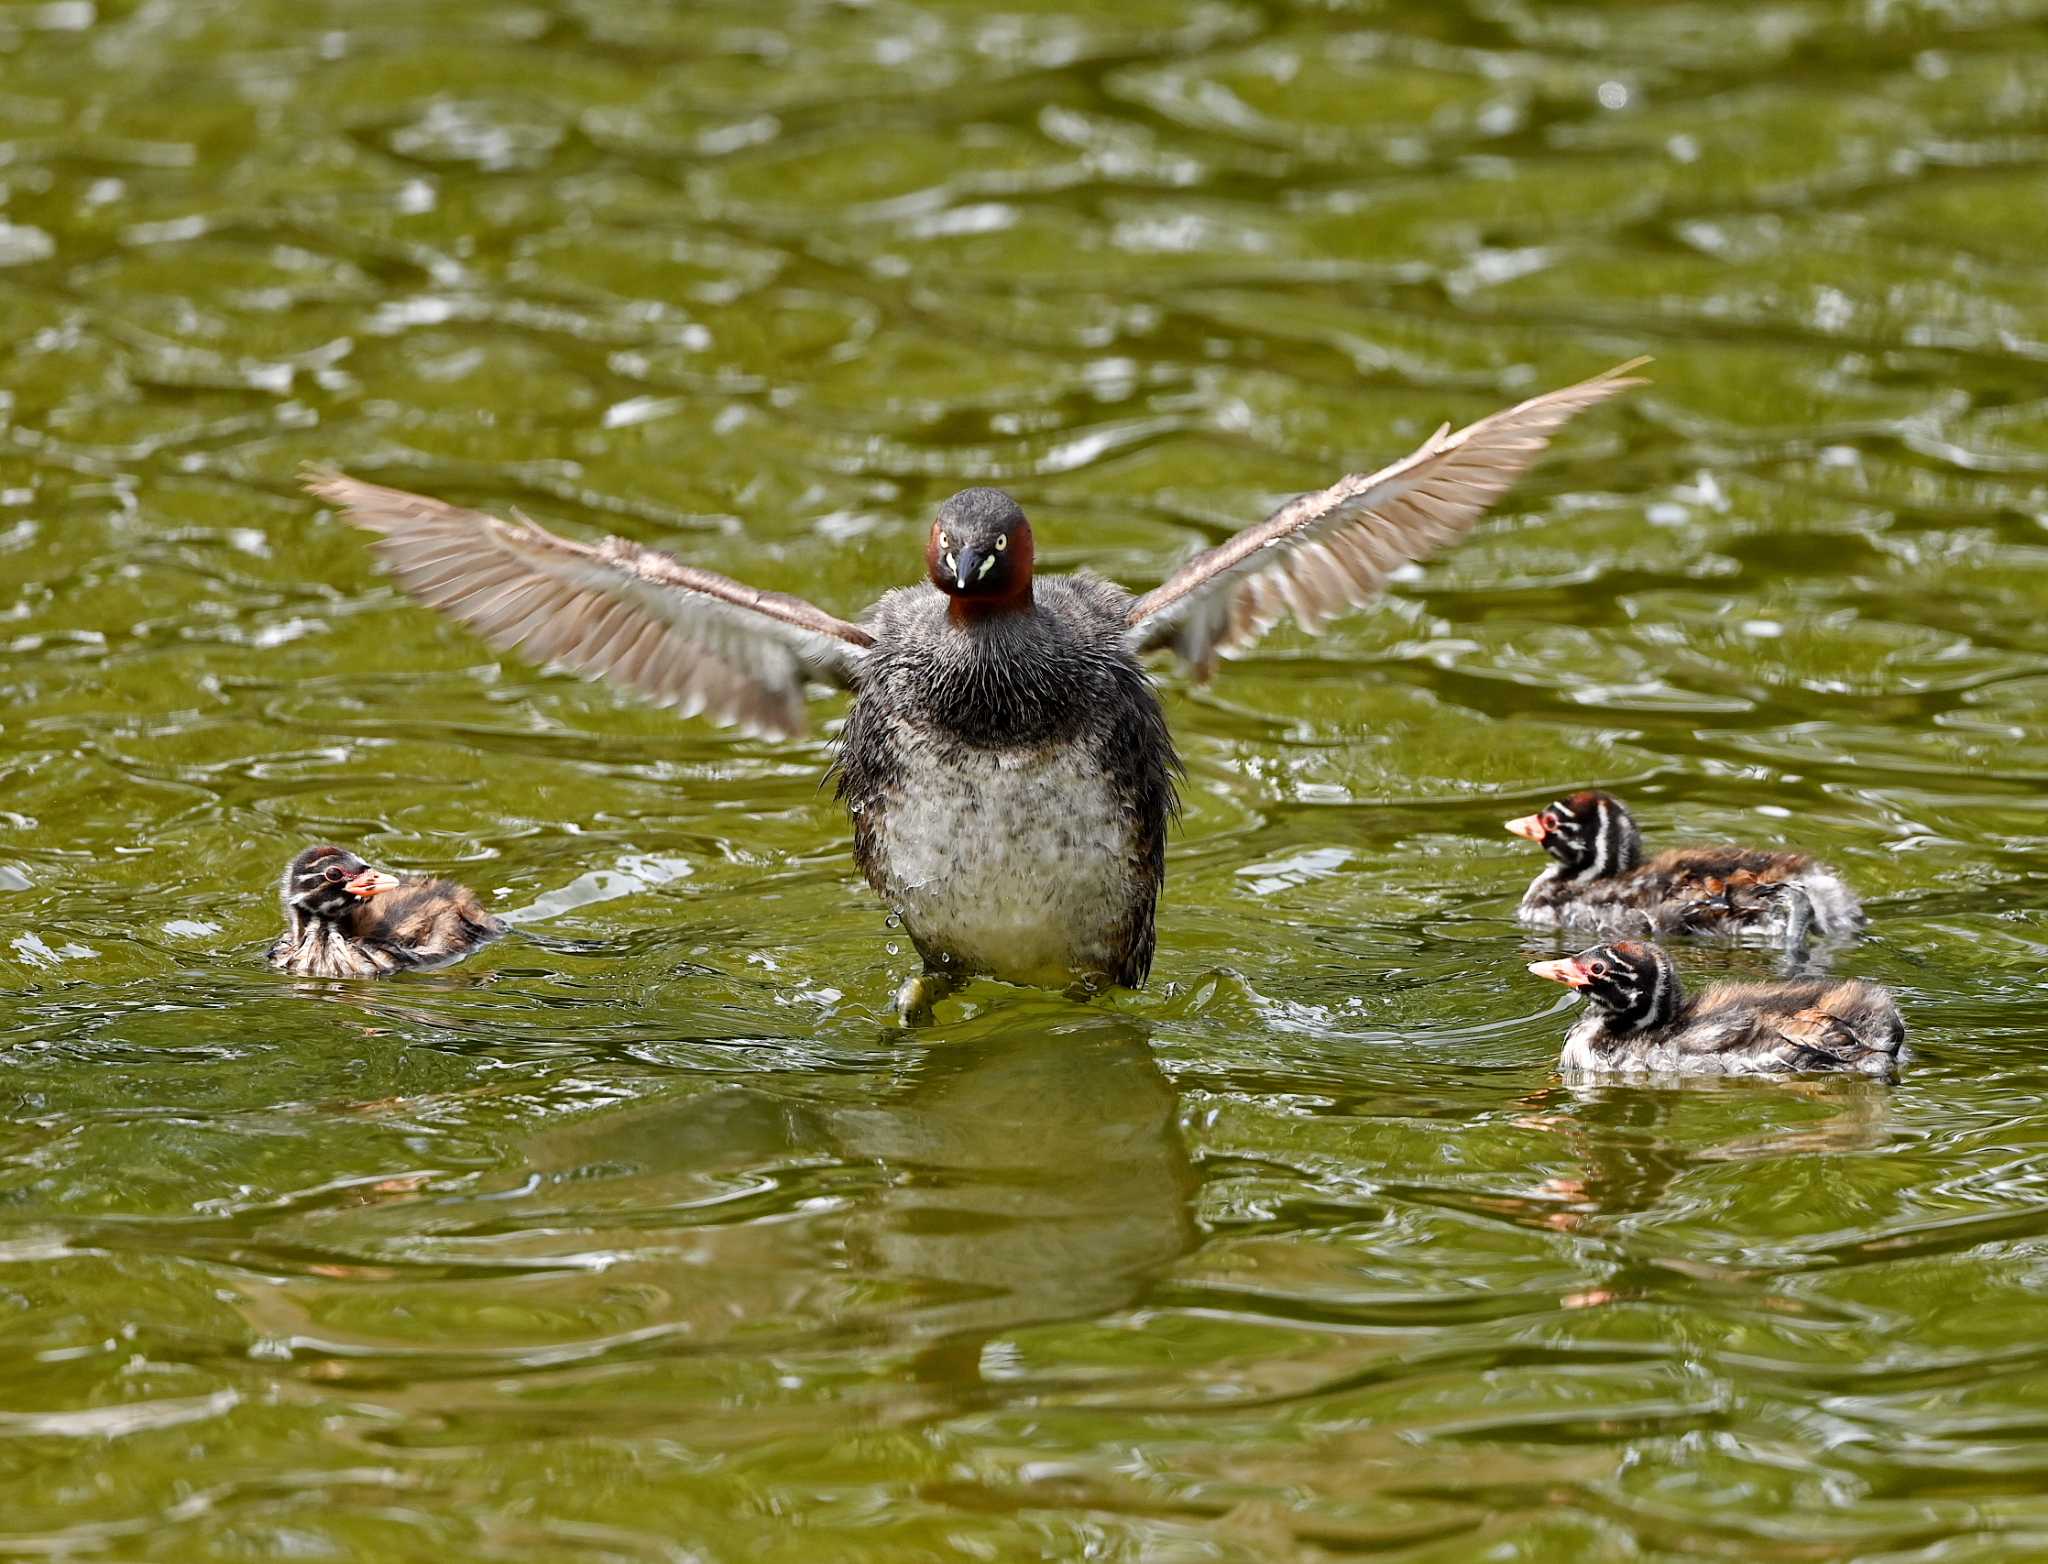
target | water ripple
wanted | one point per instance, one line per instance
(644, 1236)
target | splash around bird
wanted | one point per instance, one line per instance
(1006, 763)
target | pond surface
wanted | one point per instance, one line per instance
(645, 1236)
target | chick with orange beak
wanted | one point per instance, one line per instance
(346, 919)
(1638, 1020)
(1601, 882)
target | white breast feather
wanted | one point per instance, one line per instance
(1016, 862)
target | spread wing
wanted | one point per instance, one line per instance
(687, 638)
(1323, 553)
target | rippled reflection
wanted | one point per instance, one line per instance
(647, 1252)
(642, 1236)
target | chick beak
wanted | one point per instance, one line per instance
(371, 882)
(1568, 972)
(1530, 826)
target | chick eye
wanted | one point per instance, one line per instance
(1549, 821)
(1002, 541)
(1597, 968)
(333, 874)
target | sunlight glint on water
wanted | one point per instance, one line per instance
(644, 1236)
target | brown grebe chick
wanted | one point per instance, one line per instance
(346, 919)
(1006, 762)
(1602, 884)
(1638, 1021)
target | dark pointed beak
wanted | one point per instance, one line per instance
(967, 567)
(1530, 826)
(1568, 972)
(371, 882)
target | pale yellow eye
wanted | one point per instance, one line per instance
(945, 541)
(1002, 541)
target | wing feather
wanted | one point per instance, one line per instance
(1817, 1038)
(1323, 553)
(684, 637)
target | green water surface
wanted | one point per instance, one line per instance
(645, 1236)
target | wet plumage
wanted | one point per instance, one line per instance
(345, 919)
(1600, 882)
(1638, 1020)
(1010, 790)
(1005, 763)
